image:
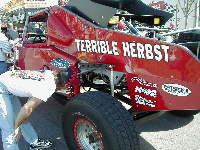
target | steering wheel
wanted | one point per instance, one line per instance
(39, 39)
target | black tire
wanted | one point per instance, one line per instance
(185, 113)
(188, 37)
(96, 120)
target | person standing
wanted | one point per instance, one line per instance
(13, 117)
(38, 30)
(5, 48)
(10, 107)
(11, 34)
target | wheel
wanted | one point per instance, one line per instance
(192, 36)
(191, 40)
(185, 113)
(97, 121)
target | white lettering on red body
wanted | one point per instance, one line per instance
(130, 49)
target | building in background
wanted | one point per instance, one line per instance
(16, 10)
(17, 4)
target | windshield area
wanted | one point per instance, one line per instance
(36, 29)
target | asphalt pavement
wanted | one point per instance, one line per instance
(167, 132)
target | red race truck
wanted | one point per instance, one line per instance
(119, 68)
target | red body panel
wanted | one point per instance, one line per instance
(160, 76)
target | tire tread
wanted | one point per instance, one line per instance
(117, 115)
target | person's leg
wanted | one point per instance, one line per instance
(28, 131)
(3, 67)
(6, 120)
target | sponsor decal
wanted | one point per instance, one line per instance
(152, 93)
(176, 89)
(158, 5)
(60, 63)
(143, 101)
(147, 90)
(143, 82)
(130, 49)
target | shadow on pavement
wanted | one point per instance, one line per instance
(144, 145)
(165, 122)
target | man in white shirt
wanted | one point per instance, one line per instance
(10, 107)
(39, 86)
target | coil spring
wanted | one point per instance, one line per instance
(70, 91)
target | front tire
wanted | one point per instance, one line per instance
(97, 121)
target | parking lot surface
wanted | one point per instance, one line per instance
(167, 132)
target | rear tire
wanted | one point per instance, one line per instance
(188, 37)
(96, 120)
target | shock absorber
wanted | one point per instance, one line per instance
(70, 91)
(131, 28)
